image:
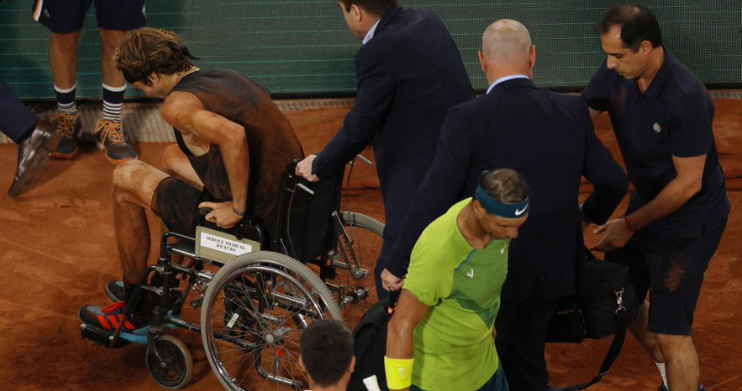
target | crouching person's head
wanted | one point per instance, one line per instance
(327, 355)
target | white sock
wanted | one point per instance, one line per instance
(663, 373)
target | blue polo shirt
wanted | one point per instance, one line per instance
(673, 117)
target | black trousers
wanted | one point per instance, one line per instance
(15, 120)
(521, 341)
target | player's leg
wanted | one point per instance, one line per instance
(64, 18)
(176, 163)
(135, 185)
(115, 20)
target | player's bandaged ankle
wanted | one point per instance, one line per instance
(398, 372)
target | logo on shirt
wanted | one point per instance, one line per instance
(657, 128)
(470, 273)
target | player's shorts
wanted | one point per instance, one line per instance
(67, 16)
(671, 270)
(176, 203)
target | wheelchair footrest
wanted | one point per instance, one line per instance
(101, 337)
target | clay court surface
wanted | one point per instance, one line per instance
(57, 249)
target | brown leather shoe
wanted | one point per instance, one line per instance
(33, 153)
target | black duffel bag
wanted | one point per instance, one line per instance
(605, 305)
(370, 346)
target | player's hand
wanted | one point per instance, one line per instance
(221, 214)
(304, 169)
(617, 234)
(390, 282)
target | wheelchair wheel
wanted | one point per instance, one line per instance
(254, 312)
(364, 240)
(174, 367)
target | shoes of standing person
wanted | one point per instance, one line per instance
(69, 125)
(33, 153)
(109, 136)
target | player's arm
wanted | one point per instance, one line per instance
(399, 342)
(185, 112)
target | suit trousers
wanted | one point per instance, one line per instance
(15, 120)
(521, 340)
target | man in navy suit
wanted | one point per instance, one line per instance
(410, 73)
(35, 139)
(549, 139)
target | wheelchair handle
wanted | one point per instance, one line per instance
(365, 160)
(308, 190)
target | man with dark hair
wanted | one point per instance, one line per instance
(662, 116)
(410, 73)
(440, 337)
(35, 139)
(327, 355)
(548, 138)
(233, 145)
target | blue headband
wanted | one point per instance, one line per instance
(509, 211)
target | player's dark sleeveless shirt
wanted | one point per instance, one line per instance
(271, 140)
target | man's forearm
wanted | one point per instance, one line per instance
(399, 341)
(670, 199)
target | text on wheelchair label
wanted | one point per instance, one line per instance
(224, 245)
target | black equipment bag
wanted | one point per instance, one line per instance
(370, 346)
(605, 305)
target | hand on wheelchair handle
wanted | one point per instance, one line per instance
(219, 213)
(304, 169)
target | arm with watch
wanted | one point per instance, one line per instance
(682, 188)
(185, 112)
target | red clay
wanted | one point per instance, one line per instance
(58, 249)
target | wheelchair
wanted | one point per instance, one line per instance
(317, 262)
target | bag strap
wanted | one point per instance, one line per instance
(610, 357)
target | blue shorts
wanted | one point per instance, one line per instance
(497, 382)
(67, 16)
(671, 270)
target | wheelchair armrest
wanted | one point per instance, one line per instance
(248, 228)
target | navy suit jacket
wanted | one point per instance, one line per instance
(409, 75)
(15, 120)
(549, 139)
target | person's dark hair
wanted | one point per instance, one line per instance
(147, 50)
(327, 350)
(373, 7)
(637, 24)
(504, 185)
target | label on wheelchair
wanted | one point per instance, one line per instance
(220, 246)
